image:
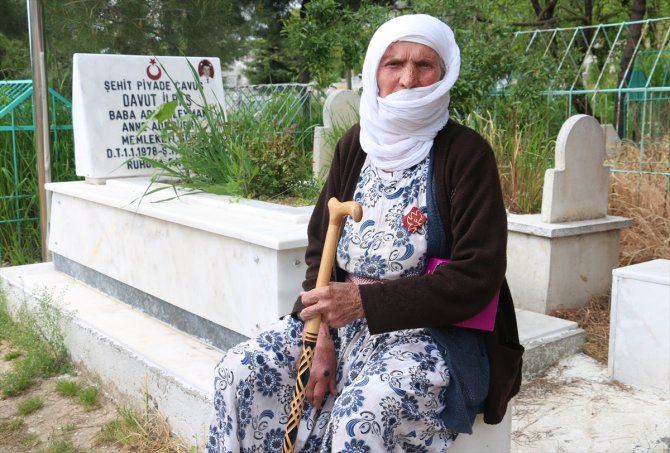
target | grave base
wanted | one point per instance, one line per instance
(560, 265)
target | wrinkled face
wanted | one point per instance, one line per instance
(407, 65)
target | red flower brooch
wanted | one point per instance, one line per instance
(414, 219)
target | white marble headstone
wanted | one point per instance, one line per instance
(112, 96)
(340, 112)
(341, 109)
(577, 188)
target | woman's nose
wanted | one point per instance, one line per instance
(408, 77)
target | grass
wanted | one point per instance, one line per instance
(15, 431)
(88, 397)
(594, 318)
(11, 356)
(12, 429)
(524, 152)
(68, 387)
(38, 339)
(146, 432)
(262, 153)
(38, 330)
(644, 198)
(30, 405)
(62, 445)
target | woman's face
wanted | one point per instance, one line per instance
(407, 65)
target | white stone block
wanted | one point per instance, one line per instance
(341, 109)
(486, 438)
(560, 265)
(639, 346)
(577, 188)
(112, 97)
(237, 264)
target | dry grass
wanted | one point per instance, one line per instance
(144, 433)
(644, 198)
(595, 320)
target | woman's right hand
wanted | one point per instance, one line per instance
(323, 370)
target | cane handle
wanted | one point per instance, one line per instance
(338, 210)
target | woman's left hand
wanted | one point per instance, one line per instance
(338, 304)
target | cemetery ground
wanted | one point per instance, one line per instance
(49, 405)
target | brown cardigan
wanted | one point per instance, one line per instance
(467, 189)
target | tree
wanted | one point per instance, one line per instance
(271, 58)
(331, 37)
(144, 27)
(14, 50)
(637, 12)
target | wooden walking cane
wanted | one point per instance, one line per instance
(337, 211)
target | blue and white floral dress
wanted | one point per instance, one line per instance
(390, 386)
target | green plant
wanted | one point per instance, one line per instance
(12, 426)
(30, 440)
(36, 334)
(88, 397)
(263, 153)
(68, 387)
(62, 445)
(30, 405)
(14, 430)
(19, 203)
(523, 151)
(148, 431)
(11, 355)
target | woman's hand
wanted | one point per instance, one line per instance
(323, 370)
(338, 304)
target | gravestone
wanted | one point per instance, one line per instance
(340, 112)
(612, 140)
(577, 188)
(564, 256)
(112, 97)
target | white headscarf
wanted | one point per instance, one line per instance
(397, 131)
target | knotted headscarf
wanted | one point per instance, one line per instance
(397, 131)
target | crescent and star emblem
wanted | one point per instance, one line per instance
(153, 70)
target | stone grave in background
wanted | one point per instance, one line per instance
(563, 256)
(340, 112)
(639, 344)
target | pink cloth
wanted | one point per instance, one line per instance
(484, 320)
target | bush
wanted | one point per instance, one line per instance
(253, 154)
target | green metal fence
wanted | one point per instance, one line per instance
(288, 99)
(619, 73)
(19, 209)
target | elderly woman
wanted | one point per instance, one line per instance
(390, 371)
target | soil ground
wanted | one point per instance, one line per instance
(60, 417)
(576, 407)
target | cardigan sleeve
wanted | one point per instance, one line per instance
(470, 203)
